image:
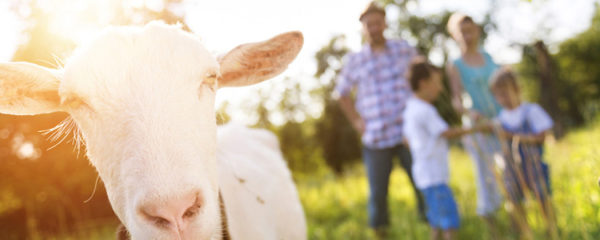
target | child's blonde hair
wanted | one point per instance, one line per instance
(502, 78)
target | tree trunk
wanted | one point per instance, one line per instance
(547, 83)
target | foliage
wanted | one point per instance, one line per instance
(309, 142)
(579, 65)
(297, 134)
(340, 142)
(577, 85)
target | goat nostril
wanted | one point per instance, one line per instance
(161, 222)
(172, 214)
(156, 220)
(192, 211)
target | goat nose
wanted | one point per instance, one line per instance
(174, 214)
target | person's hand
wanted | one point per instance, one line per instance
(504, 134)
(475, 116)
(484, 127)
(404, 142)
(359, 125)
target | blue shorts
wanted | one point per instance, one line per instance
(534, 176)
(441, 208)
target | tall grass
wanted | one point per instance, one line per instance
(336, 205)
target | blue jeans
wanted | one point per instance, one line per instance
(378, 163)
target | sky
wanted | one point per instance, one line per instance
(225, 24)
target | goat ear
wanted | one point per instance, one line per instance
(252, 63)
(28, 89)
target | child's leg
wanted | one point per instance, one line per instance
(514, 182)
(435, 234)
(449, 234)
(482, 148)
(519, 222)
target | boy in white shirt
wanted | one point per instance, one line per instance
(525, 125)
(426, 133)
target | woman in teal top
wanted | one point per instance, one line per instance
(474, 80)
(469, 76)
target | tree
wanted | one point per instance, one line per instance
(573, 73)
(547, 82)
(337, 137)
(578, 64)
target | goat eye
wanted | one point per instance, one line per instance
(210, 80)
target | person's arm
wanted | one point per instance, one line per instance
(459, 131)
(526, 138)
(456, 88)
(346, 82)
(347, 105)
(456, 132)
(456, 91)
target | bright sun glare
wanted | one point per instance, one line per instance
(80, 21)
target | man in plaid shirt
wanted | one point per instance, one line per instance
(377, 74)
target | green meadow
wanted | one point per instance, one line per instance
(336, 205)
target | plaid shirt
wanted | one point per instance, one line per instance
(381, 90)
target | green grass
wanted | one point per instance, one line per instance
(336, 206)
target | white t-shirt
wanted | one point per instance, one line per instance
(423, 127)
(537, 118)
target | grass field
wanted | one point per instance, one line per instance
(336, 206)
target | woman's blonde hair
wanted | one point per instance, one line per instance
(453, 25)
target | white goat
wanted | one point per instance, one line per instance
(143, 100)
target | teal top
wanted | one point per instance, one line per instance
(475, 81)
